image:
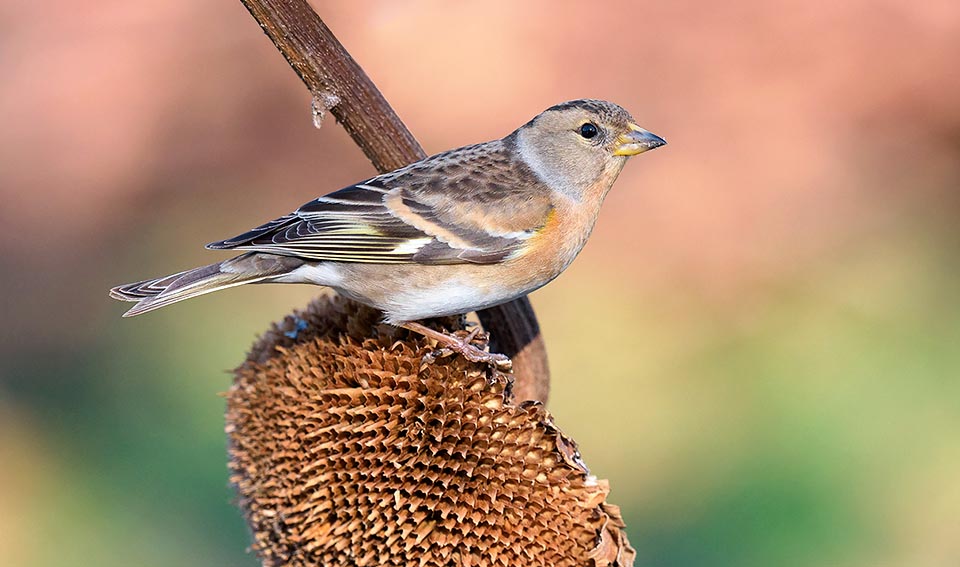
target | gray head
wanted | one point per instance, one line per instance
(576, 144)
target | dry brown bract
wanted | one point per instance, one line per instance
(351, 450)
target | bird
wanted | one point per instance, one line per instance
(459, 231)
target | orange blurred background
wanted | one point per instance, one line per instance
(760, 346)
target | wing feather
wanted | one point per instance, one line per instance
(408, 216)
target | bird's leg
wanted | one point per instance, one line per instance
(472, 334)
(461, 345)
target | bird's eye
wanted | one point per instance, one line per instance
(589, 130)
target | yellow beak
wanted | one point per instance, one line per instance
(637, 141)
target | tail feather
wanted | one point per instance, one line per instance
(160, 292)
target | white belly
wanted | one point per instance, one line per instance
(440, 300)
(436, 291)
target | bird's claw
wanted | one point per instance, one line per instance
(464, 347)
(474, 354)
(461, 345)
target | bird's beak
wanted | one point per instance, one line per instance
(637, 141)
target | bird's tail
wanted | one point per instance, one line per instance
(244, 269)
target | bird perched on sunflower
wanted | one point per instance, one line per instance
(459, 231)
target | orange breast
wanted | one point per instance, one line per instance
(552, 249)
(566, 231)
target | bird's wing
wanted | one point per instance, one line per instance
(405, 219)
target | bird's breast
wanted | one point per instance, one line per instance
(553, 247)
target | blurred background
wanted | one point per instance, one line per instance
(759, 347)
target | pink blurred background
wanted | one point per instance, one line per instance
(803, 217)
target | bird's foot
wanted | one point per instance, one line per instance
(463, 346)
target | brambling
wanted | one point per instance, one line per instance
(459, 231)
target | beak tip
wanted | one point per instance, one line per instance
(638, 141)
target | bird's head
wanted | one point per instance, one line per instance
(575, 144)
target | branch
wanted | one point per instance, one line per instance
(339, 85)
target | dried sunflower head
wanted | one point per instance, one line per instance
(348, 447)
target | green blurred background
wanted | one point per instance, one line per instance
(760, 346)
